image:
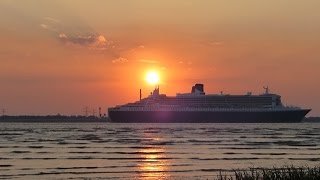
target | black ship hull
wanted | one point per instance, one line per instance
(283, 116)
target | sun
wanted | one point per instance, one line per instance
(152, 77)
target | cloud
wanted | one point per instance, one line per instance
(77, 36)
(102, 39)
(211, 43)
(148, 61)
(78, 39)
(62, 35)
(90, 41)
(216, 43)
(102, 43)
(48, 28)
(52, 19)
(136, 48)
(120, 60)
(44, 26)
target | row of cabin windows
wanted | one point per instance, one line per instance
(213, 102)
(216, 99)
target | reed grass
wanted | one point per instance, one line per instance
(275, 173)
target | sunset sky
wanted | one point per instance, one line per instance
(59, 56)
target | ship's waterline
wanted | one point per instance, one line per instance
(197, 107)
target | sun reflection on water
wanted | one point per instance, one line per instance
(155, 163)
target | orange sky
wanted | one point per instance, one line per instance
(59, 56)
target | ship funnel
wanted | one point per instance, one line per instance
(198, 89)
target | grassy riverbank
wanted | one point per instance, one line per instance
(283, 173)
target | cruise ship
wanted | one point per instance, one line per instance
(197, 107)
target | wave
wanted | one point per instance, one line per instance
(231, 159)
(5, 165)
(305, 159)
(20, 152)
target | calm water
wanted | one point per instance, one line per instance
(150, 151)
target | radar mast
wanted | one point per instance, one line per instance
(266, 90)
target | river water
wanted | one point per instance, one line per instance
(151, 151)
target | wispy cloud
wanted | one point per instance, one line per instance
(52, 19)
(136, 48)
(216, 43)
(120, 60)
(62, 36)
(148, 61)
(76, 36)
(186, 63)
(211, 43)
(44, 26)
(90, 41)
(48, 28)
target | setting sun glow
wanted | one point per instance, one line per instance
(152, 77)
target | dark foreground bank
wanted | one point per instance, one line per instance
(284, 173)
(53, 118)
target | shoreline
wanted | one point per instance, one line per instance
(83, 119)
(53, 119)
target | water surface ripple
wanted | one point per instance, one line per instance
(150, 151)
